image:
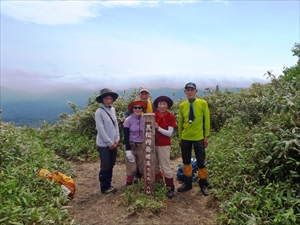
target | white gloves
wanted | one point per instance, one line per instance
(129, 156)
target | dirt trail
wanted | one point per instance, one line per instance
(91, 207)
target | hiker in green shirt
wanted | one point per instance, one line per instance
(193, 130)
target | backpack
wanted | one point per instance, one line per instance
(180, 175)
(67, 183)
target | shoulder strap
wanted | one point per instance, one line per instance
(109, 116)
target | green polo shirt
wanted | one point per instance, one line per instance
(200, 127)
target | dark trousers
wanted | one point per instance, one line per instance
(107, 162)
(138, 173)
(199, 149)
(186, 152)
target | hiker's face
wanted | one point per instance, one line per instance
(144, 95)
(137, 110)
(190, 93)
(108, 100)
(162, 107)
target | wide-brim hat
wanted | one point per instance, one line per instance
(105, 92)
(163, 98)
(137, 102)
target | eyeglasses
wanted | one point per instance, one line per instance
(137, 107)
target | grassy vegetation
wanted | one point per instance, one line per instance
(25, 197)
(137, 201)
(254, 157)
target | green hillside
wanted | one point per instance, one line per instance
(29, 109)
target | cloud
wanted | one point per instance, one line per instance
(266, 68)
(276, 70)
(68, 12)
(50, 12)
(35, 81)
(122, 51)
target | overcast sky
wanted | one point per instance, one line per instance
(48, 45)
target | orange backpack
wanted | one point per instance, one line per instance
(67, 183)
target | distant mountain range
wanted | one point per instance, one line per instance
(30, 109)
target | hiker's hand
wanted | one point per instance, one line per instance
(114, 146)
(129, 156)
(179, 143)
(205, 142)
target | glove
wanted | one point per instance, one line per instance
(129, 156)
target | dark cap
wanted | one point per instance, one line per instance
(190, 85)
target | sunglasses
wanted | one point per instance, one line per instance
(137, 107)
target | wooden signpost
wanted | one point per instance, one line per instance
(149, 153)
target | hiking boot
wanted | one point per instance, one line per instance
(204, 190)
(110, 190)
(203, 184)
(184, 187)
(170, 192)
(136, 180)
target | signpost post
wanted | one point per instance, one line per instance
(149, 153)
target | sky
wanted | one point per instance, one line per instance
(51, 45)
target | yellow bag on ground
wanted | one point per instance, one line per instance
(67, 183)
